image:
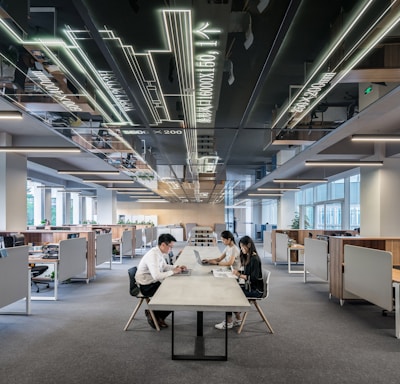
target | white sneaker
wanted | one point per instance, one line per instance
(237, 323)
(223, 325)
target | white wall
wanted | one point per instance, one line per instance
(175, 213)
(286, 210)
(379, 200)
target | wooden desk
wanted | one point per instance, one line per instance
(200, 292)
(336, 252)
(40, 237)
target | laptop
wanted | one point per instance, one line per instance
(186, 272)
(198, 257)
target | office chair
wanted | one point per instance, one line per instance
(36, 272)
(253, 300)
(136, 293)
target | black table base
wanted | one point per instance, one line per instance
(199, 348)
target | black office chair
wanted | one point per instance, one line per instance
(135, 292)
(36, 272)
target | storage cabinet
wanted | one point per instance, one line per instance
(202, 236)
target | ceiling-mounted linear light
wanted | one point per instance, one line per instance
(353, 63)
(133, 193)
(375, 138)
(108, 181)
(40, 150)
(131, 190)
(151, 201)
(144, 195)
(265, 194)
(65, 172)
(345, 163)
(125, 190)
(277, 189)
(10, 115)
(300, 180)
(49, 186)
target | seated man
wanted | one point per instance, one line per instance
(152, 269)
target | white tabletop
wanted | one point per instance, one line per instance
(200, 291)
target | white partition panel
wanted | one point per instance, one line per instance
(72, 255)
(316, 258)
(126, 243)
(154, 236)
(281, 247)
(103, 248)
(267, 242)
(148, 233)
(139, 238)
(14, 276)
(368, 274)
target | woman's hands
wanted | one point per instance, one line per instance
(211, 261)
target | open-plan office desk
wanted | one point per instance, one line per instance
(38, 259)
(199, 292)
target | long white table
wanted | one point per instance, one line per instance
(199, 292)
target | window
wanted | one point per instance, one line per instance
(336, 189)
(321, 192)
(332, 206)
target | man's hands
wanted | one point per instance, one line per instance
(179, 269)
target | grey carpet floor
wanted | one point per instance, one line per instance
(80, 339)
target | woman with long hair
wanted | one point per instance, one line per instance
(249, 276)
(230, 256)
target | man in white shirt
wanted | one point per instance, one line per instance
(153, 269)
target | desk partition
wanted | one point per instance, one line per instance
(103, 248)
(316, 259)
(281, 246)
(72, 259)
(368, 274)
(40, 237)
(15, 281)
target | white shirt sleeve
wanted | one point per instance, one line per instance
(153, 267)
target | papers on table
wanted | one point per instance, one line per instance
(223, 272)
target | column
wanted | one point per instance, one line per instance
(13, 176)
(47, 205)
(106, 206)
(379, 199)
(82, 208)
(286, 210)
(68, 218)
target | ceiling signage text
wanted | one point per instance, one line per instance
(155, 131)
(56, 92)
(116, 89)
(311, 93)
(205, 70)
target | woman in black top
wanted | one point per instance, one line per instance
(250, 275)
(250, 278)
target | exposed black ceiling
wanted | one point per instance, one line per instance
(289, 39)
